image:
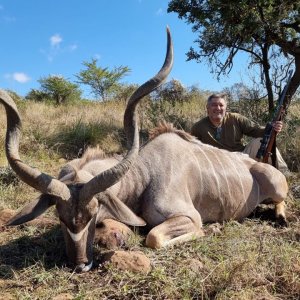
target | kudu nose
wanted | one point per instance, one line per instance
(83, 267)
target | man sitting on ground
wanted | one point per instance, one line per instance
(225, 130)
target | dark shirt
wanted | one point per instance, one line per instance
(229, 134)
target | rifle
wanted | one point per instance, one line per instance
(268, 142)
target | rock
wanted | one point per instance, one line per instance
(134, 261)
(112, 234)
(7, 214)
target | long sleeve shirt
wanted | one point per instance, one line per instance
(230, 132)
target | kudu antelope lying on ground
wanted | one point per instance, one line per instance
(173, 184)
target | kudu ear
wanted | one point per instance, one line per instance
(32, 210)
(119, 211)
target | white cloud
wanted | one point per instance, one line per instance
(55, 40)
(55, 48)
(20, 77)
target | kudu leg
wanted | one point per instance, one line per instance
(279, 211)
(173, 231)
(280, 214)
(274, 187)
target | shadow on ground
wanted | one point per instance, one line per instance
(23, 252)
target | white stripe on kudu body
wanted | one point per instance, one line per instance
(227, 188)
(231, 163)
(225, 177)
(238, 176)
(212, 168)
(200, 174)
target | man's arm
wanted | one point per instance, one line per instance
(250, 128)
(194, 130)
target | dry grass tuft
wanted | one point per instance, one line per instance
(249, 260)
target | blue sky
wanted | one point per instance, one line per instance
(41, 38)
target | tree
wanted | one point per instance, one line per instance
(103, 82)
(246, 100)
(37, 95)
(124, 91)
(59, 89)
(172, 91)
(268, 30)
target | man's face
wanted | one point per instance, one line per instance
(216, 109)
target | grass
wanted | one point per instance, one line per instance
(75, 138)
(252, 260)
(248, 260)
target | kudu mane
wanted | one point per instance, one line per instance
(91, 154)
(70, 172)
(165, 127)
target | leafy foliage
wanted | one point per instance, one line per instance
(56, 88)
(103, 82)
(172, 102)
(37, 95)
(124, 91)
(172, 91)
(248, 101)
(71, 141)
(268, 30)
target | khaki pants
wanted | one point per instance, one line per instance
(252, 148)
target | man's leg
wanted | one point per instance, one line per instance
(252, 148)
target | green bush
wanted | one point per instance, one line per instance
(37, 95)
(71, 141)
(58, 89)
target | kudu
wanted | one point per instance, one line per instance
(173, 183)
(86, 189)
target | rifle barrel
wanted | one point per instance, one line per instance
(269, 137)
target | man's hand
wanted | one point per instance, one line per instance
(277, 125)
